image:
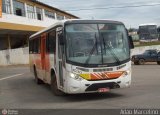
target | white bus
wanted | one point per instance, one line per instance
(82, 56)
(148, 32)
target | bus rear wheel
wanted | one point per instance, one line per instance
(54, 86)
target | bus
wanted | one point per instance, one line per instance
(148, 33)
(158, 30)
(81, 56)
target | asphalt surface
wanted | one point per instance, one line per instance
(19, 91)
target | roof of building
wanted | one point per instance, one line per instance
(38, 2)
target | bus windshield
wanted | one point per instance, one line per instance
(148, 29)
(148, 32)
(98, 44)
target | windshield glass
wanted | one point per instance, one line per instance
(147, 52)
(96, 43)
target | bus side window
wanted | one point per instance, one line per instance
(51, 42)
(36, 45)
(39, 45)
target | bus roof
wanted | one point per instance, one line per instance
(148, 24)
(55, 24)
(73, 21)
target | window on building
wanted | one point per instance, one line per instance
(6, 6)
(39, 13)
(18, 8)
(60, 17)
(30, 12)
(67, 18)
(49, 14)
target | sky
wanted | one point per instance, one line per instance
(148, 11)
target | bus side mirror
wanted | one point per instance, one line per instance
(131, 45)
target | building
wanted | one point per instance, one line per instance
(21, 18)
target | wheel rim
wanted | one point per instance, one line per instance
(141, 61)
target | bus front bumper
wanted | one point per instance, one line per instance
(84, 86)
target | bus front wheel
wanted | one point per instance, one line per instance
(54, 86)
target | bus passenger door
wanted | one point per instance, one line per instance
(59, 61)
(44, 57)
(43, 41)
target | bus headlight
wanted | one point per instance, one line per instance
(128, 72)
(76, 77)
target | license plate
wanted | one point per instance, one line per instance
(103, 90)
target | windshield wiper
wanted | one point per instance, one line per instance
(91, 52)
(111, 51)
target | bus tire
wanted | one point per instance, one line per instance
(54, 86)
(37, 80)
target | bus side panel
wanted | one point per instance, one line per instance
(31, 64)
(47, 68)
(45, 63)
(37, 63)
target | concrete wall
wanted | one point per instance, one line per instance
(139, 50)
(20, 56)
(14, 56)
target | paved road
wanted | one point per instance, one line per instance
(20, 91)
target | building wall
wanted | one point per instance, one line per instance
(14, 56)
(10, 17)
(11, 20)
(12, 24)
(139, 50)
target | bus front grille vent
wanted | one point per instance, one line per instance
(102, 70)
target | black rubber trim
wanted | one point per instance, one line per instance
(96, 86)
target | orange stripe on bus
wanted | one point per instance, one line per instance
(104, 75)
